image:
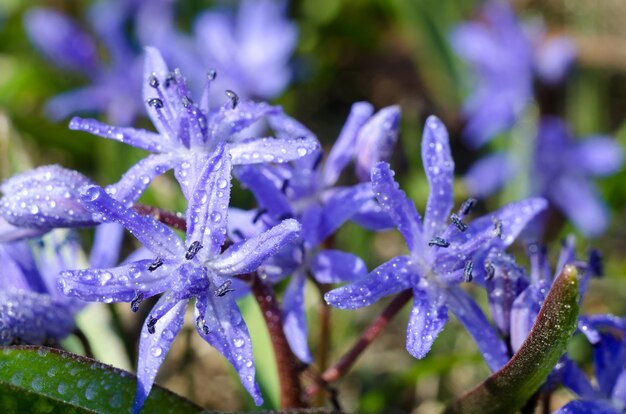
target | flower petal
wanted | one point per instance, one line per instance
(45, 197)
(263, 150)
(439, 168)
(106, 245)
(334, 266)
(117, 284)
(372, 217)
(294, 317)
(575, 379)
(153, 348)
(606, 353)
(219, 322)
(525, 310)
(157, 237)
(207, 211)
(11, 233)
(599, 156)
(139, 138)
(391, 277)
(587, 407)
(489, 174)
(344, 148)
(618, 397)
(428, 317)
(491, 347)
(342, 204)
(258, 180)
(399, 207)
(247, 256)
(376, 140)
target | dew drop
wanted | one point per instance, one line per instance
(156, 351)
(238, 342)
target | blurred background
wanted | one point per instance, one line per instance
(383, 51)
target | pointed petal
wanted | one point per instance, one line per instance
(45, 197)
(106, 245)
(587, 407)
(489, 174)
(286, 127)
(599, 156)
(428, 317)
(334, 266)
(263, 150)
(340, 207)
(156, 236)
(222, 326)
(439, 168)
(345, 147)
(391, 277)
(376, 140)
(491, 347)
(580, 202)
(372, 217)
(267, 194)
(207, 211)
(135, 181)
(294, 317)
(605, 355)
(117, 284)
(19, 269)
(590, 325)
(154, 347)
(575, 379)
(525, 310)
(61, 40)
(247, 256)
(139, 138)
(11, 233)
(399, 207)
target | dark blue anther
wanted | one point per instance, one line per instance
(234, 98)
(239, 234)
(134, 304)
(187, 102)
(224, 288)
(211, 74)
(156, 103)
(158, 262)
(201, 324)
(192, 250)
(467, 206)
(491, 271)
(458, 223)
(439, 242)
(153, 81)
(497, 228)
(283, 187)
(150, 324)
(318, 160)
(258, 215)
(169, 79)
(467, 271)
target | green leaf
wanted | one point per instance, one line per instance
(508, 389)
(44, 380)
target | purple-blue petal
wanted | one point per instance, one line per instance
(139, 138)
(488, 175)
(524, 312)
(376, 140)
(427, 319)
(399, 207)
(11, 233)
(334, 266)
(605, 354)
(618, 397)
(294, 317)
(599, 155)
(263, 150)
(106, 245)
(391, 277)
(587, 407)
(342, 204)
(267, 194)
(554, 58)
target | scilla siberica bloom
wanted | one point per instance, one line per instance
(189, 133)
(505, 59)
(181, 271)
(305, 189)
(441, 254)
(32, 310)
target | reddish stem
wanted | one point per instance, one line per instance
(344, 364)
(287, 364)
(174, 220)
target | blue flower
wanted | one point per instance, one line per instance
(441, 254)
(505, 60)
(32, 310)
(562, 170)
(114, 85)
(188, 133)
(181, 271)
(305, 189)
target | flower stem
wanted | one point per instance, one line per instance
(344, 364)
(174, 220)
(287, 365)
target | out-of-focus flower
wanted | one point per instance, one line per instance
(113, 85)
(441, 254)
(32, 310)
(505, 59)
(188, 133)
(305, 189)
(181, 271)
(562, 172)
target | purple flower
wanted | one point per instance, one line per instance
(505, 61)
(441, 254)
(189, 133)
(181, 271)
(114, 85)
(305, 189)
(32, 310)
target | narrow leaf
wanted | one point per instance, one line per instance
(508, 389)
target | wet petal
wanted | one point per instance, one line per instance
(334, 266)
(268, 196)
(376, 140)
(391, 277)
(153, 348)
(294, 317)
(45, 197)
(207, 211)
(439, 168)
(219, 322)
(399, 207)
(118, 284)
(11, 233)
(340, 207)
(157, 237)
(344, 148)
(587, 407)
(263, 150)
(247, 256)
(139, 138)
(428, 317)
(372, 217)
(491, 347)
